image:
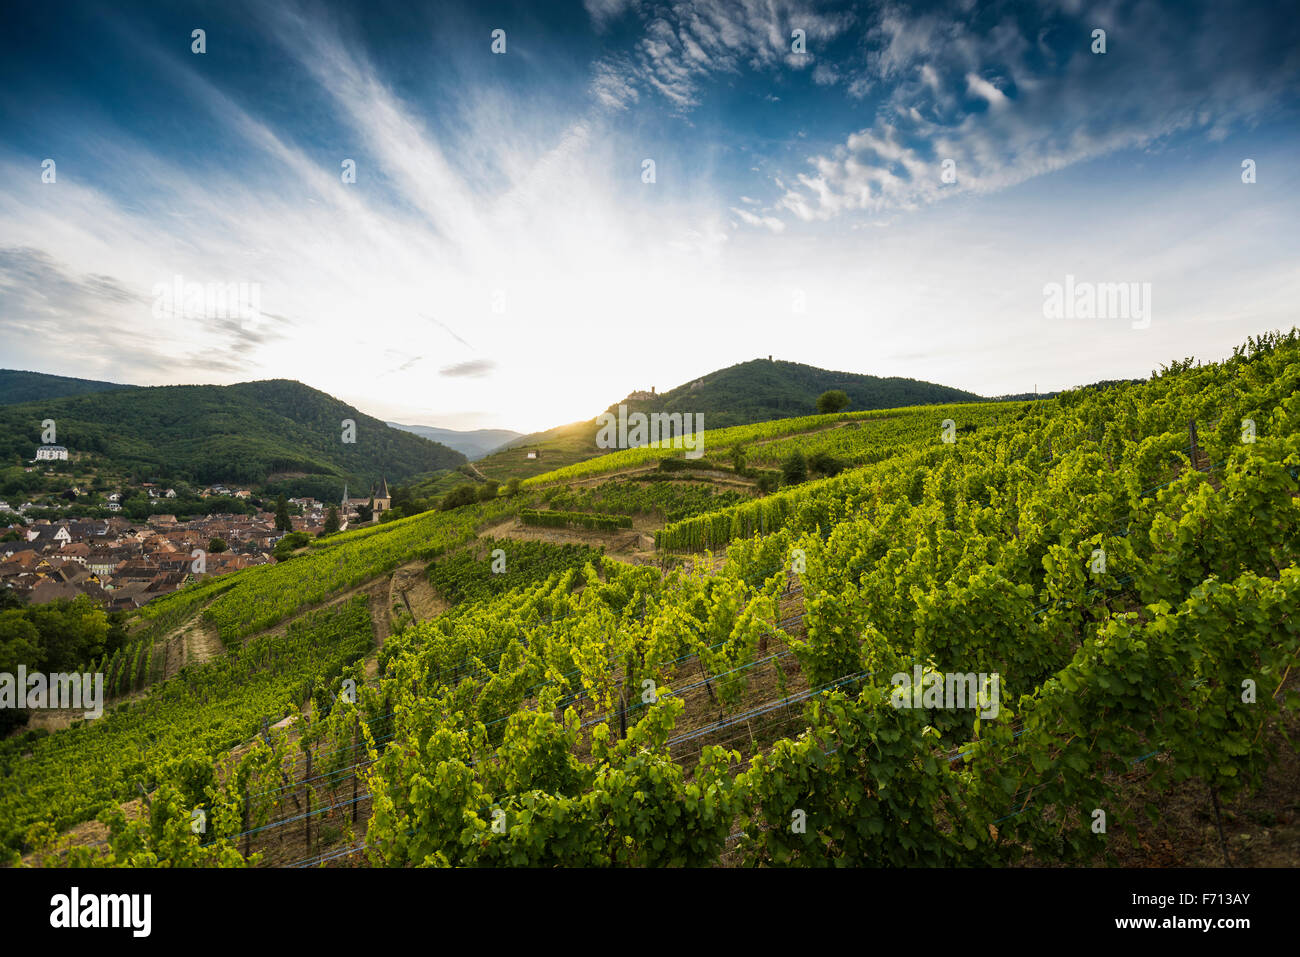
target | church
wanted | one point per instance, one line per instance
(379, 502)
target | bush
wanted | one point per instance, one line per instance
(825, 464)
(460, 495)
(738, 459)
(285, 547)
(794, 469)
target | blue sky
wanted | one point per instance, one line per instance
(501, 262)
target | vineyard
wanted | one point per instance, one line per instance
(1121, 559)
(271, 593)
(671, 502)
(56, 780)
(495, 566)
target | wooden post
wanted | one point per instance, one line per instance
(306, 789)
(1191, 428)
(355, 771)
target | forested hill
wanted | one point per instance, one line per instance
(18, 386)
(763, 389)
(238, 433)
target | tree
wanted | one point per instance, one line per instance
(512, 488)
(217, 545)
(331, 521)
(460, 495)
(795, 468)
(282, 521)
(738, 459)
(823, 463)
(488, 492)
(286, 546)
(833, 401)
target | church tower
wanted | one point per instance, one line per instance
(383, 501)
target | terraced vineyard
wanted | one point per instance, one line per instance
(1111, 592)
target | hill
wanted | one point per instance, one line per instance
(763, 389)
(19, 386)
(475, 443)
(246, 433)
(757, 391)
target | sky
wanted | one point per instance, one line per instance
(885, 188)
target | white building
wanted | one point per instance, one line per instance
(50, 453)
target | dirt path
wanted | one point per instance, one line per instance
(632, 545)
(411, 592)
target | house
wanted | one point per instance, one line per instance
(47, 591)
(51, 453)
(170, 493)
(163, 519)
(115, 496)
(77, 552)
(129, 596)
(46, 534)
(532, 455)
(114, 507)
(105, 562)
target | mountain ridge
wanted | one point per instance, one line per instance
(472, 443)
(757, 390)
(245, 433)
(23, 385)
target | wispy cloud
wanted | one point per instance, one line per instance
(471, 368)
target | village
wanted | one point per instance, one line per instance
(123, 563)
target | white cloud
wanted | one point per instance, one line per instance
(1045, 110)
(687, 41)
(752, 219)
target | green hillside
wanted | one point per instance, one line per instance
(18, 386)
(245, 433)
(763, 389)
(749, 392)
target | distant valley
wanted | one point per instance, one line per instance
(472, 444)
